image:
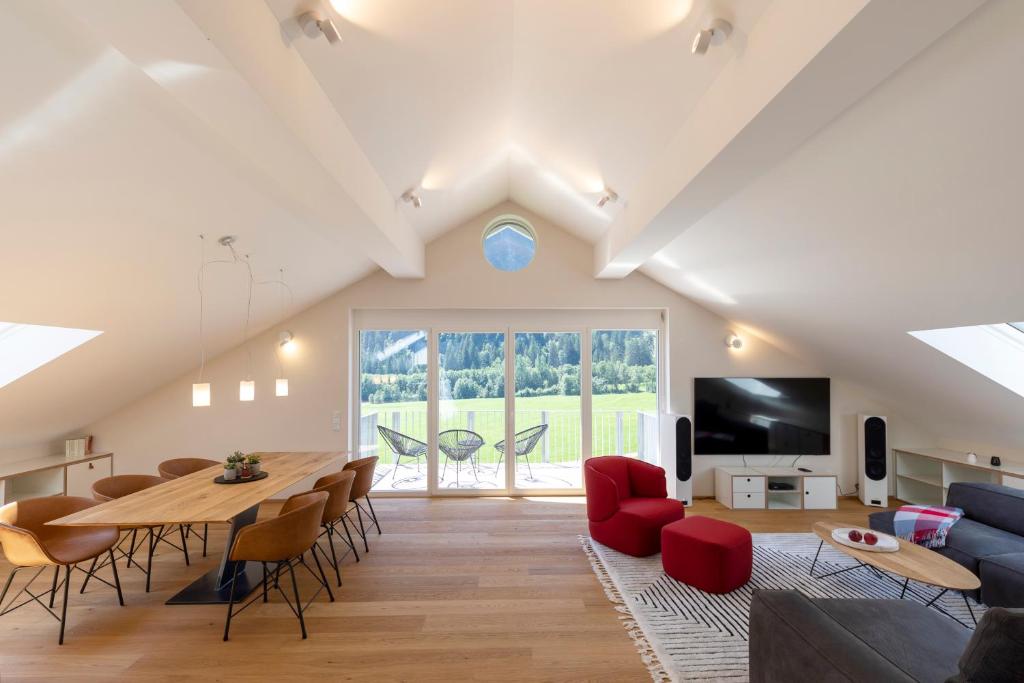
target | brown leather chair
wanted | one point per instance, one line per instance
(338, 486)
(119, 486)
(28, 542)
(284, 541)
(180, 467)
(364, 468)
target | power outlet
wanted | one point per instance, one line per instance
(336, 421)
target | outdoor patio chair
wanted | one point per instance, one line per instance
(526, 441)
(403, 446)
(459, 445)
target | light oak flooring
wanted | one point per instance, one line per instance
(454, 590)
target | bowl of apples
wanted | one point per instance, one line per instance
(865, 539)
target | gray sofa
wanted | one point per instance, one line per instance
(988, 540)
(795, 638)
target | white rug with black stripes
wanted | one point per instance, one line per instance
(685, 634)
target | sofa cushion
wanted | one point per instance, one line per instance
(922, 642)
(993, 505)
(969, 541)
(1002, 580)
(654, 512)
(995, 652)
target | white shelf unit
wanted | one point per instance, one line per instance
(750, 488)
(923, 475)
(52, 475)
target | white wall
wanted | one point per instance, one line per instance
(164, 425)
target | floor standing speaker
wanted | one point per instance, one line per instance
(677, 445)
(872, 460)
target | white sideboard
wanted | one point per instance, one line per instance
(774, 488)
(923, 475)
(53, 475)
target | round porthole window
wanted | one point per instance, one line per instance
(509, 243)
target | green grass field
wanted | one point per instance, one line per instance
(488, 420)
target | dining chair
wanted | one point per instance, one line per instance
(338, 487)
(119, 486)
(179, 467)
(284, 541)
(28, 542)
(363, 468)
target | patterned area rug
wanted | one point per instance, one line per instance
(684, 634)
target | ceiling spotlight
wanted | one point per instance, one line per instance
(609, 195)
(733, 341)
(286, 340)
(410, 197)
(313, 24)
(715, 34)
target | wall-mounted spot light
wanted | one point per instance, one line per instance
(410, 197)
(246, 390)
(715, 34)
(313, 24)
(609, 195)
(286, 340)
(734, 341)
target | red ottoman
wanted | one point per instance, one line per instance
(706, 553)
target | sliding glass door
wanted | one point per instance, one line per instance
(504, 402)
(471, 410)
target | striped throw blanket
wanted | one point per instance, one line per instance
(925, 525)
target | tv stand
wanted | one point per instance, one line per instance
(775, 488)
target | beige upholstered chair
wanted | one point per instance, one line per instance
(28, 542)
(364, 468)
(119, 486)
(282, 540)
(180, 467)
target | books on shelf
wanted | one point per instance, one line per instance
(78, 448)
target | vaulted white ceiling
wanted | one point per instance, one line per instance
(128, 129)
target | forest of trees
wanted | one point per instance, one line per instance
(393, 364)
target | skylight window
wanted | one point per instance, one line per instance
(996, 351)
(23, 348)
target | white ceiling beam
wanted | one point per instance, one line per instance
(801, 66)
(257, 107)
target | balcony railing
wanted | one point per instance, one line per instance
(614, 432)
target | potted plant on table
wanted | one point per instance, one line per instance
(229, 470)
(254, 463)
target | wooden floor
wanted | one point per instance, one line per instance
(455, 590)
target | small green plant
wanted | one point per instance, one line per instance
(236, 457)
(253, 458)
(230, 464)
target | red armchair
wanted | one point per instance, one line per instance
(627, 504)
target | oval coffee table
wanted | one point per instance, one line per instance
(911, 561)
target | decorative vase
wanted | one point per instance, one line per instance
(246, 472)
(972, 458)
(254, 467)
(229, 474)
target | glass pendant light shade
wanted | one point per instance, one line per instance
(246, 390)
(281, 388)
(201, 395)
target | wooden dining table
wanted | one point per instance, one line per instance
(196, 499)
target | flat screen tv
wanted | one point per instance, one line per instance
(761, 416)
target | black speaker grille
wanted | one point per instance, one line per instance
(684, 453)
(874, 448)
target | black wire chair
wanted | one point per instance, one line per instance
(403, 446)
(525, 442)
(459, 445)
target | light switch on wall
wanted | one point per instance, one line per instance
(336, 421)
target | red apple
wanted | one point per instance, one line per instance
(854, 535)
(870, 538)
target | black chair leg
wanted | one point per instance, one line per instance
(348, 534)
(149, 559)
(264, 581)
(319, 567)
(231, 600)
(298, 600)
(184, 545)
(64, 607)
(131, 547)
(373, 514)
(7, 586)
(362, 529)
(206, 533)
(117, 579)
(53, 588)
(334, 555)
